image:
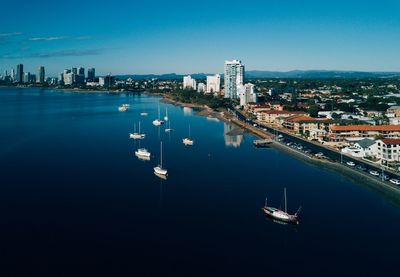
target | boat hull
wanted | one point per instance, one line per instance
(160, 171)
(280, 215)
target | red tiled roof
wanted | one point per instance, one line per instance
(284, 112)
(366, 128)
(391, 141)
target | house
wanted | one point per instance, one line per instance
(394, 111)
(362, 148)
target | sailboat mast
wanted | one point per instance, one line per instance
(189, 130)
(285, 201)
(139, 127)
(158, 111)
(161, 153)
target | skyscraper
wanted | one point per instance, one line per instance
(91, 74)
(189, 83)
(20, 73)
(213, 83)
(41, 75)
(234, 76)
(81, 71)
(75, 70)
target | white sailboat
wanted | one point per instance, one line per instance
(123, 107)
(188, 141)
(166, 114)
(281, 215)
(144, 114)
(158, 121)
(136, 135)
(159, 170)
(143, 153)
(169, 129)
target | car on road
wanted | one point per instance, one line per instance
(395, 181)
(319, 155)
(374, 172)
(350, 163)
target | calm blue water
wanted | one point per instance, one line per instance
(75, 199)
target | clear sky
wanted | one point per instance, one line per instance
(198, 36)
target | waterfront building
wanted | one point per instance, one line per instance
(106, 81)
(91, 75)
(20, 73)
(12, 75)
(81, 71)
(388, 151)
(234, 77)
(214, 83)
(68, 77)
(247, 94)
(41, 75)
(189, 82)
(26, 77)
(276, 117)
(340, 133)
(304, 125)
(201, 87)
(362, 149)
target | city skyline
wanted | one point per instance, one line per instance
(360, 36)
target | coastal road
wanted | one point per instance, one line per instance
(332, 154)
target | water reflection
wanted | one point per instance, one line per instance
(233, 135)
(187, 111)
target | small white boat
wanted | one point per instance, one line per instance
(188, 141)
(166, 114)
(158, 121)
(123, 107)
(144, 114)
(350, 163)
(169, 129)
(395, 182)
(281, 215)
(136, 135)
(142, 152)
(159, 170)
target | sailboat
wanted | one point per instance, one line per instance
(159, 170)
(137, 135)
(187, 141)
(169, 129)
(166, 114)
(281, 215)
(142, 153)
(158, 121)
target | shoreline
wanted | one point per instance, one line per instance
(371, 182)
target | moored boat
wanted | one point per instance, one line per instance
(280, 214)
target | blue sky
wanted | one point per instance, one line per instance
(198, 36)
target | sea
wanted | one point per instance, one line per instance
(76, 201)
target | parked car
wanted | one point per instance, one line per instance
(395, 181)
(374, 172)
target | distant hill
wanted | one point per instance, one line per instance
(274, 74)
(319, 74)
